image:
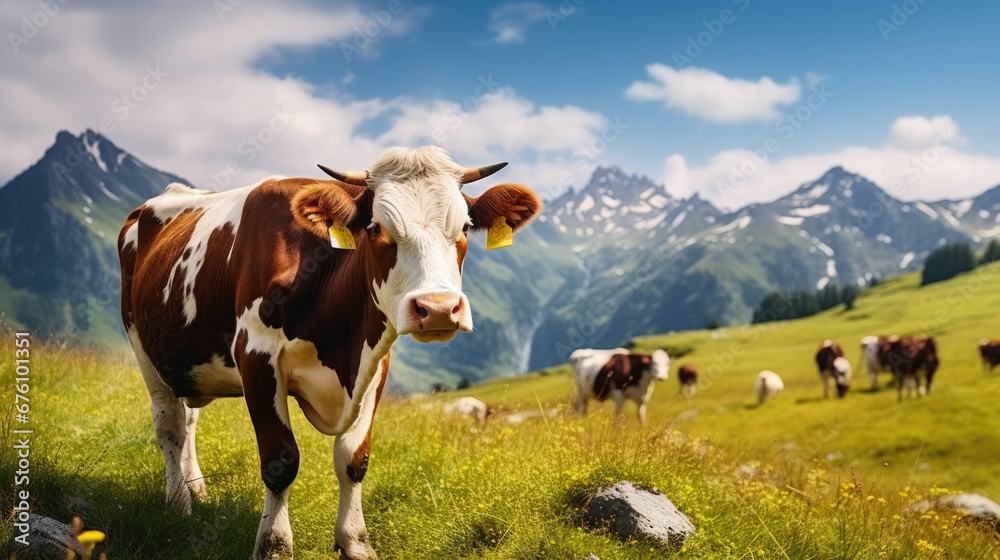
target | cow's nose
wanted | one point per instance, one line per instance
(438, 312)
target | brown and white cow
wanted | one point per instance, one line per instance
(908, 357)
(833, 368)
(989, 351)
(688, 375)
(618, 373)
(242, 293)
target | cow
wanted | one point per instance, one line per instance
(298, 287)
(471, 407)
(833, 367)
(618, 373)
(874, 353)
(908, 357)
(768, 385)
(989, 351)
(688, 375)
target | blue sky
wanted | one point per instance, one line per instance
(558, 73)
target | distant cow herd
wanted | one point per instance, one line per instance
(912, 362)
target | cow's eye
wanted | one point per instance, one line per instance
(465, 228)
(376, 229)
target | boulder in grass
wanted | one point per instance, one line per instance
(976, 507)
(632, 511)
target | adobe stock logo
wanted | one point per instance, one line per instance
(33, 24)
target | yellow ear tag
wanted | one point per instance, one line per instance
(499, 234)
(341, 238)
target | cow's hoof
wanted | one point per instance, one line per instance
(272, 547)
(198, 491)
(180, 500)
(356, 548)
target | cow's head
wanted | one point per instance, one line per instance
(412, 221)
(660, 366)
(842, 374)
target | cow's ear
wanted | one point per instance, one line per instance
(517, 203)
(317, 207)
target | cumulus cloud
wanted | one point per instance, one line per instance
(710, 96)
(509, 23)
(922, 158)
(916, 132)
(181, 88)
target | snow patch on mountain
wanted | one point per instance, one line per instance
(659, 201)
(926, 210)
(907, 259)
(816, 210)
(789, 221)
(95, 151)
(677, 221)
(962, 207)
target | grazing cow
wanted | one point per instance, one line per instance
(908, 357)
(833, 367)
(299, 287)
(688, 375)
(471, 407)
(617, 373)
(874, 352)
(989, 351)
(768, 385)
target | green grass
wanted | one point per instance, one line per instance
(441, 487)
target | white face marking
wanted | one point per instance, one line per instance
(425, 219)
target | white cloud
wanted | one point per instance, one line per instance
(911, 165)
(710, 96)
(510, 22)
(210, 104)
(918, 132)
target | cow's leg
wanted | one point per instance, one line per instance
(873, 375)
(350, 461)
(581, 397)
(826, 385)
(619, 397)
(189, 456)
(267, 402)
(169, 422)
(642, 412)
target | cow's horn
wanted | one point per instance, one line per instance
(359, 178)
(476, 173)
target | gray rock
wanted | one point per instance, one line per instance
(976, 506)
(49, 538)
(973, 505)
(591, 557)
(636, 511)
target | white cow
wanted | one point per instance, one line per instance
(618, 373)
(869, 352)
(471, 407)
(768, 385)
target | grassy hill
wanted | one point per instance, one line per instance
(833, 477)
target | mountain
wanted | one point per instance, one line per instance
(619, 257)
(59, 222)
